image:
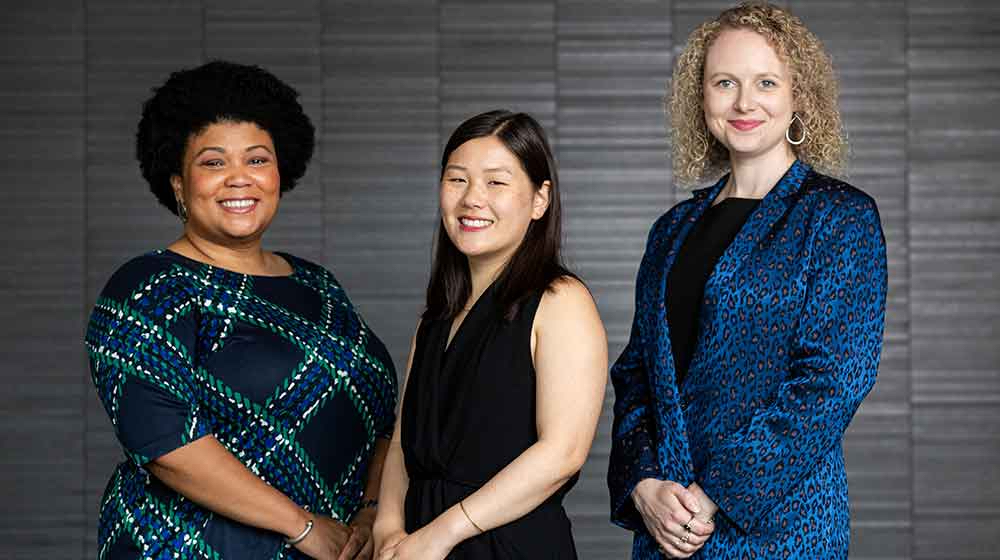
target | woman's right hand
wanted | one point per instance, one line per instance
(326, 540)
(668, 510)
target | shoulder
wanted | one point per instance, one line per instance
(159, 268)
(303, 265)
(832, 198)
(670, 218)
(567, 299)
(307, 270)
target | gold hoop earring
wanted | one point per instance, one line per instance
(789, 129)
(182, 211)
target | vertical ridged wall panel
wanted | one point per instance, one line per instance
(867, 43)
(613, 62)
(131, 47)
(41, 280)
(385, 83)
(285, 40)
(379, 153)
(954, 133)
(497, 55)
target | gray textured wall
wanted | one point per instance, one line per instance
(385, 82)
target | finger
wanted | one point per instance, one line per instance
(672, 551)
(351, 547)
(684, 549)
(676, 512)
(366, 551)
(689, 500)
(700, 527)
(678, 532)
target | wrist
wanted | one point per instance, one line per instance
(293, 522)
(640, 490)
(364, 516)
(453, 527)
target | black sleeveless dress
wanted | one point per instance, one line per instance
(469, 410)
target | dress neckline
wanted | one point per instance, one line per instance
(287, 258)
(449, 344)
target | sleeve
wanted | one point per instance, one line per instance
(388, 392)
(140, 340)
(834, 361)
(633, 451)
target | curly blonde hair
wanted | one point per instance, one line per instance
(699, 156)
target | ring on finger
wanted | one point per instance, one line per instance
(684, 539)
(687, 528)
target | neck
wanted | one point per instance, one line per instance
(754, 177)
(243, 256)
(483, 271)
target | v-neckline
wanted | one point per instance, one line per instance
(450, 339)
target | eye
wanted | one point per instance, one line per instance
(725, 83)
(768, 83)
(455, 180)
(259, 160)
(212, 163)
(498, 183)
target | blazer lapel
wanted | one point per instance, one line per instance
(759, 224)
(675, 458)
(655, 302)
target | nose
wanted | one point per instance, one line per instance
(744, 100)
(474, 195)
(239, 177)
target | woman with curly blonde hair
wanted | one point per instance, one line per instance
(760, 305)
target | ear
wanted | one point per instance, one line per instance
(178, 185)
(540, 201)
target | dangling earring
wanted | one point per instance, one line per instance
(802, 125)
(182, 211)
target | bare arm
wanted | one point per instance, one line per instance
(570, 355)
(390, 522)
(206, 473)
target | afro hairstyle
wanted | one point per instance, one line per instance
(216, 92)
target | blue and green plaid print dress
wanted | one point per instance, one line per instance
(281, 370)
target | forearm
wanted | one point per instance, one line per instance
(515, 491)
(206, 473)
(394, 483)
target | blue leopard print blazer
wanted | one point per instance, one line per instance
(789, 340)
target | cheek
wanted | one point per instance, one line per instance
(270, 180)
(446, 199)
(201, 183)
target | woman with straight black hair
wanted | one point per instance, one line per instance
(507, 368)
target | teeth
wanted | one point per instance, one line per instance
(245, 203)
(475, 223)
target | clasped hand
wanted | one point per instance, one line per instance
(679, 518)
(331, 539)
(421, 544)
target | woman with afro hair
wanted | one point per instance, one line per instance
(250, 399)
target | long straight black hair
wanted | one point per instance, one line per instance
(537, 261)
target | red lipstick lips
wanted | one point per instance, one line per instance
(745, 125)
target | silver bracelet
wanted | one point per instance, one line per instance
(302, 535)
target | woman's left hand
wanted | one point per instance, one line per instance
(361, 545)
(424, 544)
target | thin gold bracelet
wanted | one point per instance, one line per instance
(478, 528)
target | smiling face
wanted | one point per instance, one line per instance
(229, 183)
(488, 201)
(747, 95)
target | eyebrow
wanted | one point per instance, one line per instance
(760, 75)
(222, 150)
(498, 169)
